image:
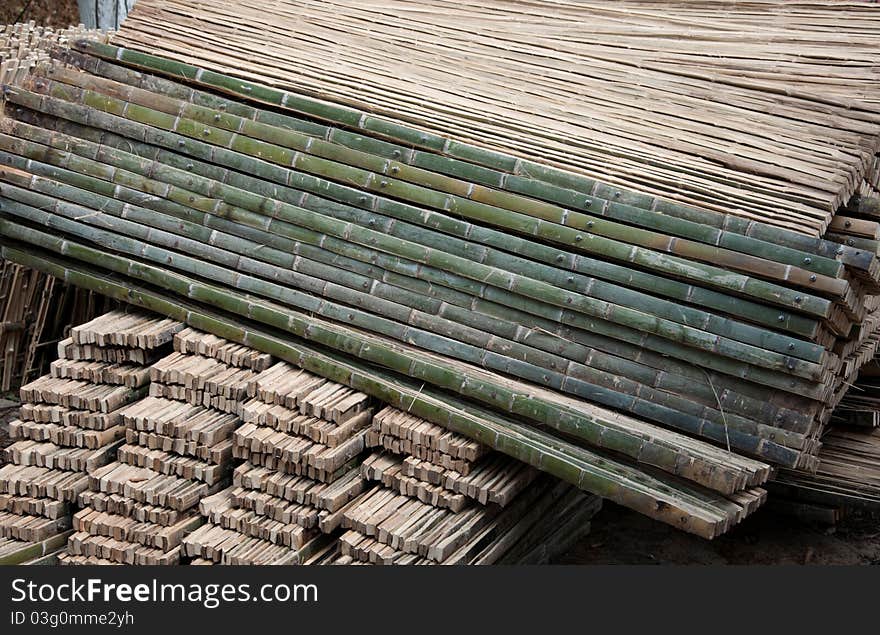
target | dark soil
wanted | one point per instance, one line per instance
(620, 536)
(54, 13)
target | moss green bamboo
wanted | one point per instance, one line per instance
(401, 133)
(696, 385)
(700, 512)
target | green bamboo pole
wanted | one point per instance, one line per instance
(643, 348)
(500, 259)
(697, 385)
(793, 384)
(499, 256)
(376, 181)
(475, 347)
(401, 133)
(664, 449)
(725, 432)
(482, 273)
(609, 478)
(766, 315)
(110, 77)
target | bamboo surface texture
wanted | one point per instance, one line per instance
(764, 110)
(665, 353)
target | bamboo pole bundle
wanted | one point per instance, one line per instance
(265, 238)
(630, 436)
(695, 510)
(619, 322)
(731, 422)
(615, 92)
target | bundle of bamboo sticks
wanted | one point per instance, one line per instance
(848, 473)
(71, 425)
(762, 110)
(26, 44)
(445, 499)
(661, 355)
(177, 450)
(494, 293)
(300, 446)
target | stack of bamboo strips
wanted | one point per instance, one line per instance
(178, 450)
(848, 474)
(388, 528)
(761, 110)
(428, 462)
(24, 45)
(445, 499)
(70, 425)
(302, 441)
(643, 340)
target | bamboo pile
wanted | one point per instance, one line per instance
(665, 356)
(848, 476)
(441, 498)
(24, 45)
(69, 425)
(301, 441)
(35, 310)
(643, 341)
(177, 451)
(762, 110)
(848, 473)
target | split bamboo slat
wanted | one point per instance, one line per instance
(300, 443)
(70, 425)
(483, 269)
(177, 448)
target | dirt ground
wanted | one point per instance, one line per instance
(54, 13)
(620, 536)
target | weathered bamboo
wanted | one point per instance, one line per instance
(566, 415)
(609, 206)
(476, 347)
(31, 550)
(476, 271)
(703, 514)
(376, 181)
(735, 306)
(710, 361)
(398, 132)
(493, 255)
(425, 169)
(495, 323)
